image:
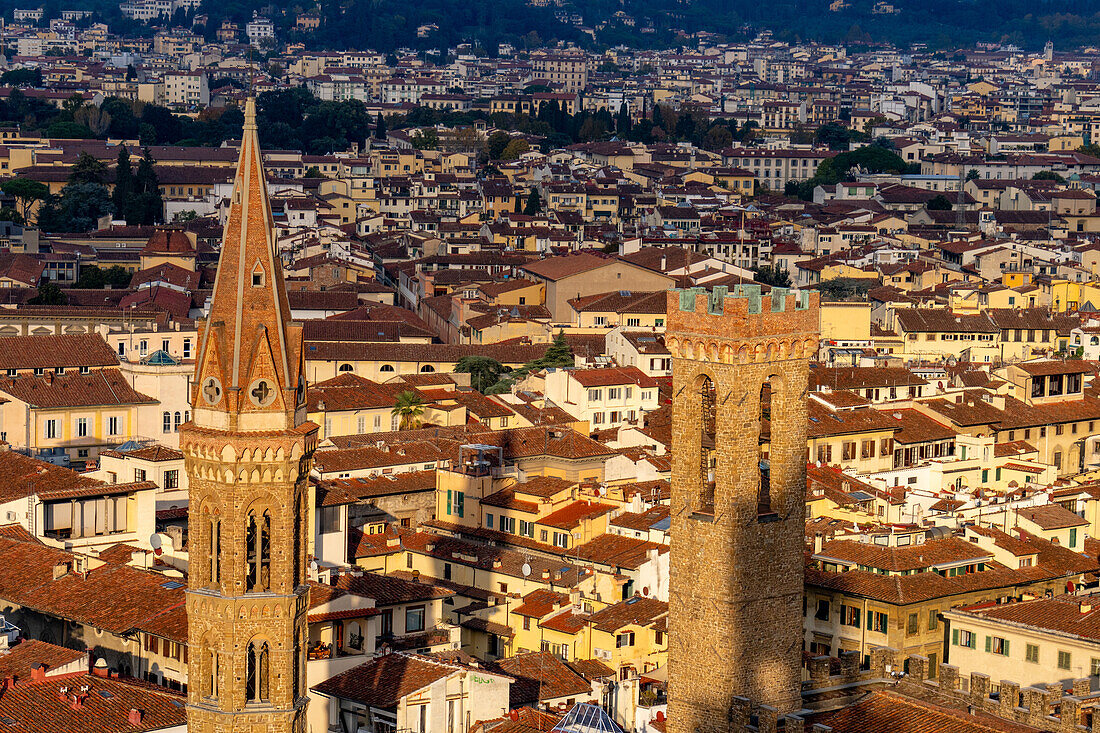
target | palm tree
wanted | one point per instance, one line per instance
(409, 407)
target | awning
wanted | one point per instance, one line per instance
(655, 675)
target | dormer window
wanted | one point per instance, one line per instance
(258, 276)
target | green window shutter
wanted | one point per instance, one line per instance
(998, 474)
(870, 620)
(461, 503)
(985, 475)
(954, 637)
(448, 501)
(1005, 652)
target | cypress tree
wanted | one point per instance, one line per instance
(123, 195)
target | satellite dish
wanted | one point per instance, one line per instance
(155, 541)
(526, 569)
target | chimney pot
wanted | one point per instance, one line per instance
(38, 673)
(134, 717)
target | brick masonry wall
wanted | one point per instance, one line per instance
(735, 597)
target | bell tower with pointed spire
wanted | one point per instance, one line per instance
(248, 451)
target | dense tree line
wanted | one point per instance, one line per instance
(387, 25)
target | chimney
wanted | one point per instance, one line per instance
(134, 717)
(38, 673)
(496, 562)
(546, 575)
(9, 681)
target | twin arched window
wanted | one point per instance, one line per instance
(258, 677)
(258, 551)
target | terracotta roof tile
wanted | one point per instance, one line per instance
(884, 710)
(50, 352)
(41, 708)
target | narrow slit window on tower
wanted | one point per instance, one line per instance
(258, 276)
(764, 496)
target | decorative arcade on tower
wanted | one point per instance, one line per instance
(740, 366)
(248, 451)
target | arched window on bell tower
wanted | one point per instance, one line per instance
(258, 551)
(708, 417)
(764, 491)
(257, 679)
(209, 674)
(297, 559)
(214, 528)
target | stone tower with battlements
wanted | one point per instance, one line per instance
(248, 450)
(740, 369)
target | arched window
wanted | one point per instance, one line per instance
(257, 682)
(296, 690)
(167, 427)
(258, 551)
(176, 420)
(187, 416)
(764, 493)
(297, 560)
(345, 368)
(386, 368)
(210, 674)
(427, 368)
(215, 549)
(707, 457)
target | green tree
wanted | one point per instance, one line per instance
(938, 203)
(313, 172)
(88, 169)
(558, 355)
(409, 408)
(515, 148)
(426, 139)
(77, 209)
(534, 203)
(123, 193)
(91, 278)
(484, 372)
(773, 276)
(22, 78)
(380, 127)
(973, 175)
(117, 277)
(26, 193)
(148, 204)
(718, 137)
(622, 119)
(498, 141)
(1048, 176)
(49, 294)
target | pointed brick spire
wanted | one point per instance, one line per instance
(250, 358)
